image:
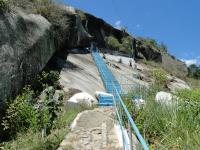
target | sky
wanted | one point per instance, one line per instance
(174, 22)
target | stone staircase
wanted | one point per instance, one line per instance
(92, 130)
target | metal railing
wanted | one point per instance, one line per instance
(123, 116)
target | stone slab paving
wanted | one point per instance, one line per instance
(93, 130)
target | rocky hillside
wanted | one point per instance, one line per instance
(32, 31)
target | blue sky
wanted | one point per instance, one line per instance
(174, 22)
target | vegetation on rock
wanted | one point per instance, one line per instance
(126, 44)
(159, 76)
(31, 111)
(153, 43)
(3, 4)
(112, 42)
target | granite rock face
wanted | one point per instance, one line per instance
(26, 45)
(28, 41)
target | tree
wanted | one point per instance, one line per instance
(192, 69)
(197, 74)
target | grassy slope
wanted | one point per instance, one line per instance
(175, 127)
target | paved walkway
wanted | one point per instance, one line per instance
(93, 130)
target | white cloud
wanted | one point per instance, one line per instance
(189, 62)
(137, 26)
(118, 24)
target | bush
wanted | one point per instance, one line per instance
(45, 79)
(27, 112)
(3, 4)
(20, 114)
(36, 141)
(153, 43)
(127, 44)
(112, 42)
(160, 77)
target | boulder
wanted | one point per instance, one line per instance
(166, 99)
(83, 98)
(26, 45)
(147, 52)
(176, 83)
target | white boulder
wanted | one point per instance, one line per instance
(83, 98)
(164, 98)
(176, 83)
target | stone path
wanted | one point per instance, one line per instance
(92, 130)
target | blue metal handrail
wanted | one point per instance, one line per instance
(112, 86)
(117, 99)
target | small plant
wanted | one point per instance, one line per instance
(127, 44)
(160, 77)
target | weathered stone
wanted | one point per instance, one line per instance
(92, 123)
(26, 45)
(175, 83)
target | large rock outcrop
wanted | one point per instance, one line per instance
(99, 29)
(28, 41)
(26, 45)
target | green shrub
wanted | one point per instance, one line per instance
(112, 42)
(20, 114)
(36, 141)
(45, 79)
(160, 77)
(153, 43)
(27, 112)
(127, 44)
(3, 4)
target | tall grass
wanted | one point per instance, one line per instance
(175, 127)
